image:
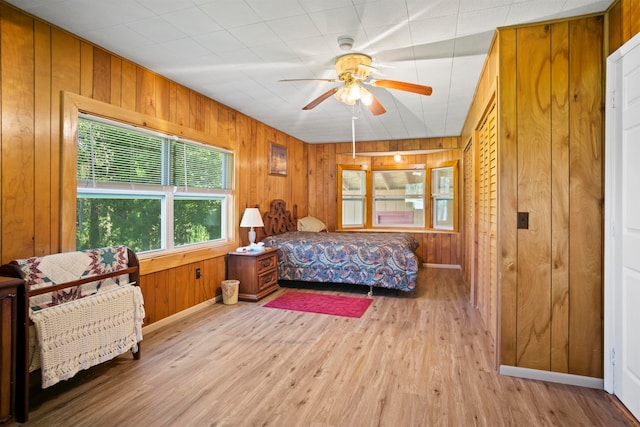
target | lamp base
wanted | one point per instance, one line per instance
(252, 236)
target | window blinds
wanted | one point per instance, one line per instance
(117, 154)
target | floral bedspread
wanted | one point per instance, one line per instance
(379, 259)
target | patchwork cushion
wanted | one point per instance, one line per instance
(50, 270)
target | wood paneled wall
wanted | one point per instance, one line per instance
(323, 160)
(623, 22)
(38, 62)
(550, 164)
(556, 298)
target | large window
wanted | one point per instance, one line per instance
(395, 197)
(147, 190)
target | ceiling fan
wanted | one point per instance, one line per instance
(353, 70)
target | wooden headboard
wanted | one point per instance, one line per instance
(278, 219)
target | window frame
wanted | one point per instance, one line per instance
(374, 198)
(164, 183)
(427, 196)
(456, 194)
(365, 199)
(72, 106)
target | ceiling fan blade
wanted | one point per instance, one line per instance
(407, 87)
(319, 99)
(374, 106)
(310, 80)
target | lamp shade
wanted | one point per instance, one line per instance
(251, 218)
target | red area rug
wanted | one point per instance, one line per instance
(321, 303)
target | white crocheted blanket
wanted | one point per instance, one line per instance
(82, 333)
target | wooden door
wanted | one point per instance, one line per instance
(487, 278)
(469, 220)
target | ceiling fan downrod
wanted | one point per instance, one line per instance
(353, 132)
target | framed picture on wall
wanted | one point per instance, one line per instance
(277, 160)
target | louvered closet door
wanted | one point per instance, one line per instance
(487, 222)
(470, 248)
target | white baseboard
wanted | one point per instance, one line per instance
(179, 315)
(449, 266)
(554, 377)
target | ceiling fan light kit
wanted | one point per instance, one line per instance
(352, 92)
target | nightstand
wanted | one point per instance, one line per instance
(256, 271)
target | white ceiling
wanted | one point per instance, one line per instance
(235, 51)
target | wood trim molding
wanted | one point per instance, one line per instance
(554, 377)
(77, 103)
(148, 329)
(446, 266)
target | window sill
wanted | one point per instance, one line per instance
(395, 230)
(153, 262)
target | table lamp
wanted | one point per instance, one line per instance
(251, 218)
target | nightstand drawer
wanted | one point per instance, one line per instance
(268, 262)
(268, 279)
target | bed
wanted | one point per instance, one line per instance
(383, 260)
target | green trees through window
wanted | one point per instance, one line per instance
(107, 221)
(196, 220)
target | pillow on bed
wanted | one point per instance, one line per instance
(310, 223)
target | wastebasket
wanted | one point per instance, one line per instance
(230, 291)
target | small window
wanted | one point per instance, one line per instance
(354, 192)
(443, 181)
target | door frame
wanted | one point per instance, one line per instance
(612, 192)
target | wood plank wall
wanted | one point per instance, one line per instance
(550, 164)
(37, 63)
(555, 295)
(623, 23)
(436, 247)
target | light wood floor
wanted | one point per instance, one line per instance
(423, 361)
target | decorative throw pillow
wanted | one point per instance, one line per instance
(310, 223)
